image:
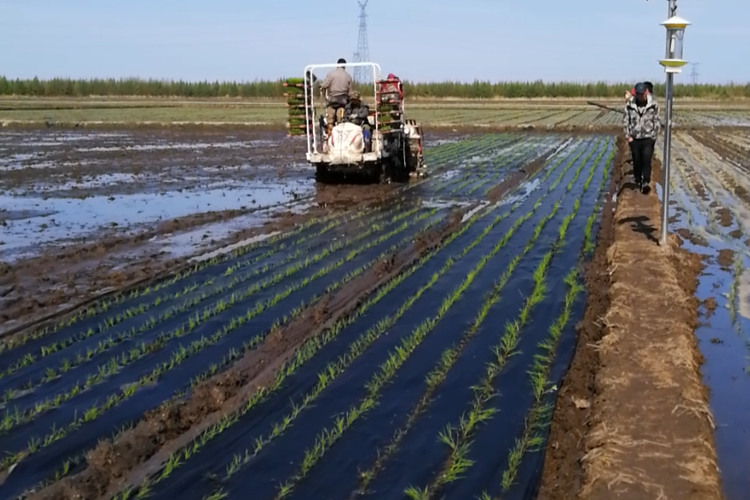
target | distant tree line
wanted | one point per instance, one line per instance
(270, 89)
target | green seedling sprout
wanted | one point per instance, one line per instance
(484, 391)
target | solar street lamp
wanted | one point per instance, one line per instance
(673, 64)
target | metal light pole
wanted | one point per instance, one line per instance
(673, 64)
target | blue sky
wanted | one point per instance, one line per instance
(425, 40)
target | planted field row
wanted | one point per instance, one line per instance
(477, 174)
(67, 387)
(378, 401)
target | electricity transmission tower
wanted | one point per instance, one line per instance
(694, 73)
(361, 74)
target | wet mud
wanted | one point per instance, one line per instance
(632, 418)
(725, 258)
(83, 214)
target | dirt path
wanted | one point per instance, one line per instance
(632, 419)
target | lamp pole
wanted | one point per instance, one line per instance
(667, 131)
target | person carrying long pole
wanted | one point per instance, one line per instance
(641, 124)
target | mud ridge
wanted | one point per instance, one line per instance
(561, 477)
(142, 450)
(650, 432)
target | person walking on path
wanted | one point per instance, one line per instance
(641, 125)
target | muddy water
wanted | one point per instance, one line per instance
(63, 187)
(724, 330)
(32, 222)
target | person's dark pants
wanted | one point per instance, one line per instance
(642, 151)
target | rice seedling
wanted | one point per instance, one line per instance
(359, 346)
(114, 340)
(398, 357)
(104, 305)
(448, 358)
(534, 152)
(183, 353)
(458, 438)
(531, 439)
(732, 299)
(115, 364)
(589, 244)
(472, 176)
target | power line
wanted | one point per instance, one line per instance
(694, 72)
(362, 74)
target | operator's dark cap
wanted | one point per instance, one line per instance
(640, 88)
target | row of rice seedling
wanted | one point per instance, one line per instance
(486, 165)
(438, 183)
(438, 375)
(492, 172)
(122, 354)
(68, 457)
(554, 117)
(583, 118)
(160, 374)
(609, 119)
(408, 442)
(440, 177)
(498, 117)
(532, 438)
(131, 322)
(524, 457)
(458, 438)
(56, 346)
(328, 374)
(387, 371)
(105, 305)
(468, 175)
(331, 355)
(589, 241)
(389, 368)
(441, 155)
(305, 352)
(529, 151)
(501, 117)
(87, 408)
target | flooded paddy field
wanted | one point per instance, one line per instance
(454, 337)
(711, 212)
(83, 212)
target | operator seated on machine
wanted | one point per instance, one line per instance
(337, 83)
(357, 112)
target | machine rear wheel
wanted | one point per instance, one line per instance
(322, 174)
